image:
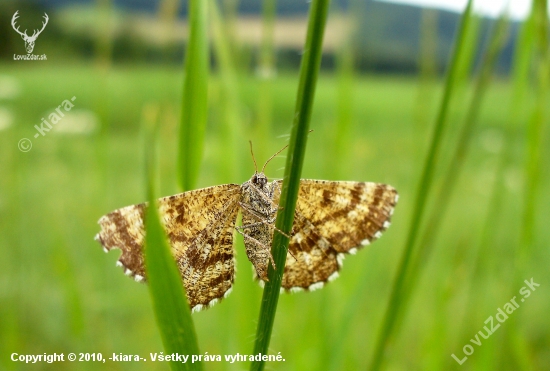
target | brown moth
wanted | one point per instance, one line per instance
(331, 219)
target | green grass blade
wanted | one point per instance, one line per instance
(104, 42)
(535, 124)
(194, 108)
(340, 139)
(424, 188)
(446, 191)
(165, 286)
(427, 66)
(266, 70)
(309, 71)
(229, 102)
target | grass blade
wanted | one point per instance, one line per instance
(396, 296)
(536, 124)
(229, 99)
(194, 108)
(446, 191)
(309, 71)
(340, 139)
(266, 72)
(165, 286)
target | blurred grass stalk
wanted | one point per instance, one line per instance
(498, 38)
(164, 281)
(537, 48)
(541, 58)
(194, 108)
(103, 62)
(266, 72)
(104, 41)
(427, 62)
(345, 58)
(475, 293)
(398, 294)
(333, 352)
(309, 71)
(165, 285)
(229, 96)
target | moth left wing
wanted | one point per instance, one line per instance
(333, 218)
(348, 214)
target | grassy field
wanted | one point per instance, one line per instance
(60, 293)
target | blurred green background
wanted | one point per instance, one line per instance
(373, 119)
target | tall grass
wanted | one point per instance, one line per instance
(397, 302)
(535, 127)
(446, 189)
(536, 34)
(167, 292)
(165, 286)
(309, 70)
(103, 43)
(345, 58)
(194, 107)
(230, 117)
(266, 71)
(59, 292)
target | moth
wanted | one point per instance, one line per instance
(332, 219)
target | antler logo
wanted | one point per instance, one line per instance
(29, 40)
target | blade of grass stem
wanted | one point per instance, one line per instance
(165, 286)
(494, 209)
(468, 55)
(427, 66)
(194, 108)
(535, 129)
(446, 191)
(104, 42)
(309, 71)
(396, 303)
(341, 134)
(519, 73)
(536, 125)
(266, 73)
(230, 10)
(229, 97)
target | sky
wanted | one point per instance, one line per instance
(518, 8)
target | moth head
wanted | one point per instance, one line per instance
(259, 179)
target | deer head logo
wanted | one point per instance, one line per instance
(29, 40)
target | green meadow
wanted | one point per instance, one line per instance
(60, 293)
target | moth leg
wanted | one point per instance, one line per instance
(239, 229)
(261, 220)
(252, 239)
(266, 198)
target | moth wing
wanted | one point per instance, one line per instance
(199, 225)
(333, 218)
(348, 214)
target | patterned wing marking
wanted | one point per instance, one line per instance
(333, 218)
(311, 259)
(199, 225)
(348, 214)
(207, 264)
(123, 229)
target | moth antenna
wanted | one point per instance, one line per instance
(271, 158)
(253, 159)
